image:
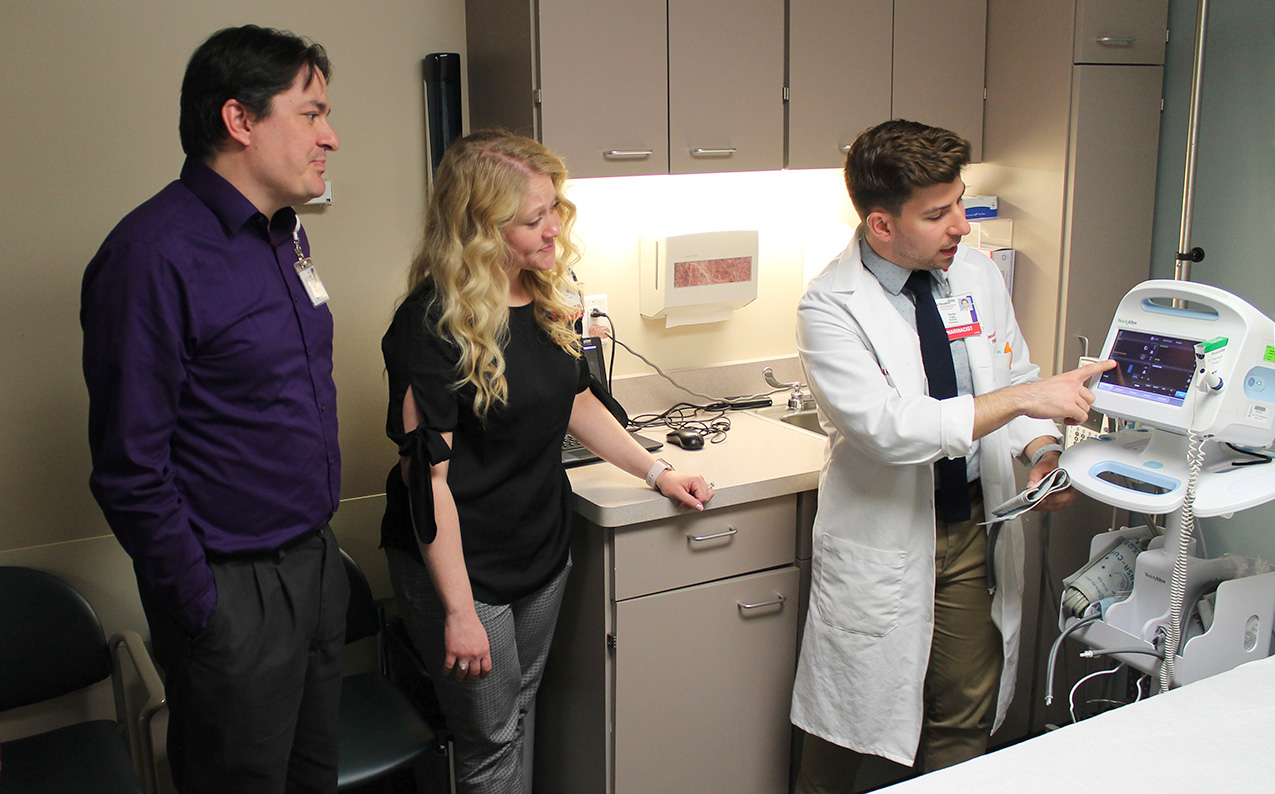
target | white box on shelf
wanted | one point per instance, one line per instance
(978, 206)
(991, 233)
(1003, 258)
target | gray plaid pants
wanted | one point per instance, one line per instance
(484, 717)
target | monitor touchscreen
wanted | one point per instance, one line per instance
(1151, 367)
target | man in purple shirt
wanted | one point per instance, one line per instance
(212, 422)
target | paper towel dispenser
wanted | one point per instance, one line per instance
(697, 278)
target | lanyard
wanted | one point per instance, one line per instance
(306, 272)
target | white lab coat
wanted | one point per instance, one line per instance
(867, 636)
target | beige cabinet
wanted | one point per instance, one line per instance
(602, 95)
(726, 85)
(702, 683)
(1115, 128)
(642, 87)
(673, 661)
(855, 63)
(1072, 136)
(939, 55)
(1120, 31)
(1071, 141)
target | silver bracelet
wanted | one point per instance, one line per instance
(1042, 452)
(657, 468)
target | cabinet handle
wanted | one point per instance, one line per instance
(712, 152)
(1116, 41)
(780, 598)
(628, 154)
(714, 536)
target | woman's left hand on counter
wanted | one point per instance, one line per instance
(690, 490)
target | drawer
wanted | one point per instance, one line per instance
(1120, 31)
(701, 547)
(703, 683)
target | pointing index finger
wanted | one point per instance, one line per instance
(1095, 367)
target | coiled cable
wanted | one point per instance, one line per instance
(1177, 581)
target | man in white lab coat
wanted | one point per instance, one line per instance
(905, 650)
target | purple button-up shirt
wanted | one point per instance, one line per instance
(212, 409)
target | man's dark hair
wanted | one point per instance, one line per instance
(891, 161)
(251, 64)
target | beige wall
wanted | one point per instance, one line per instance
(803, 219)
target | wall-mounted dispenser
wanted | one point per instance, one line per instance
(697, 278)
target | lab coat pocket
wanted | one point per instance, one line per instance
(1001, 365)
(860, 589)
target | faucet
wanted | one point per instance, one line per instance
(798, 400)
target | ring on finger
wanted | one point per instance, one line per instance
(463, 667)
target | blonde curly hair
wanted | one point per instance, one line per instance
(477, 192)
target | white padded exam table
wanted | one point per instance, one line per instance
(1214, 735)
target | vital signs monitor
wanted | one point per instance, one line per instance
(1190, 358)
(1210, 339)
(1195, 381)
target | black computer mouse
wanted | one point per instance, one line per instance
(686, 439)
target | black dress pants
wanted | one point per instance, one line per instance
(254, 698)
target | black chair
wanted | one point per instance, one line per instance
(381, 730)
(52, 644)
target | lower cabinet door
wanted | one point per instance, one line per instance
(703, 681)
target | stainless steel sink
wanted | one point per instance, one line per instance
(807, 419)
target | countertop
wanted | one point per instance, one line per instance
(760, 458)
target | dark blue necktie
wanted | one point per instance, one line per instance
(936, 355)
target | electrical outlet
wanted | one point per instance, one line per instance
(592, 302)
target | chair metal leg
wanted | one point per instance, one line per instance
(138, 730)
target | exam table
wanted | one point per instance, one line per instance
(1212, 735)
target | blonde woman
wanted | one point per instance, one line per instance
(485, 379)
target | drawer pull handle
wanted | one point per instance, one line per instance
(1116, 41)
(714, 536)
(780, 598)
(703, 152)
(628, 154)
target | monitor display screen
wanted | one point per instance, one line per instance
(1150, 366)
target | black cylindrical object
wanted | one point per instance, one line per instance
(442, 102)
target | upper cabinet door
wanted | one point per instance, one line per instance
(940, 52)
(1121, 31)
(725, 87)
(839, 76)
(1115, 132)
(603, 82)
(502, 79)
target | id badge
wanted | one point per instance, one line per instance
(960, 317)
(311, 281)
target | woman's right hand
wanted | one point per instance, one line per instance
(691, 491)
(468, 654)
